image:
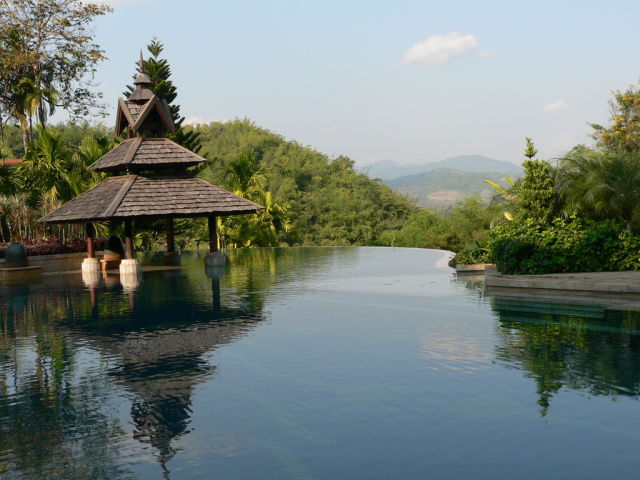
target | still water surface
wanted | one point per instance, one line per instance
(313, 363)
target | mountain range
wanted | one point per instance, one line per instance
(388, 169)
(443, 184)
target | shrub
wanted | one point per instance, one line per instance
(565, 245)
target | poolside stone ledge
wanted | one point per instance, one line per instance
(595, 282)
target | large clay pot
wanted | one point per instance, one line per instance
(15, 256)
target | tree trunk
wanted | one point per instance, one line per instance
(26, 138)
(629, 228)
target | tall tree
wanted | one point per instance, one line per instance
(159, 72)
(47, 57)
(623, 133)
(537, 195)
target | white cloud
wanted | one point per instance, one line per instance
(196, 120)
(556, 106)
(440, 49)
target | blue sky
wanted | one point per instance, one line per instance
(340, 75)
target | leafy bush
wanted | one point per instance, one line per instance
(565, 245)
(53, 247)
(477, 253)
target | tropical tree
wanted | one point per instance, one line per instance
(623, 133)
(244, 175)
(602, 184)
(47, 55)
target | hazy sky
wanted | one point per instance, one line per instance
(410, 81)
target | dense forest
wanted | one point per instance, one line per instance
(322, 200)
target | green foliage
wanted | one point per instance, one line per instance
(46, 51)
(530, 150)
(476, 253)
(623, 133)
(537, 196)
(329, 203)
(601, 184)
(525, 246)
(468, 223)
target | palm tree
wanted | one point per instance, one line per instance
(244, 174)
(601, 184)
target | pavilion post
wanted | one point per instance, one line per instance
(171, 243)
(130, 269)
(90, 265)
(128, 240)
(213, 234)
(91, 246)
(215, 258)
(170, 256)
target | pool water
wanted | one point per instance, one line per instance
(313, 363)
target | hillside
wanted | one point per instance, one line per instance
(443, 187)
(329, 202)
(388, 169)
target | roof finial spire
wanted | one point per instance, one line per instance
(141, 62)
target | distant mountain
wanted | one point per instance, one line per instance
(444, 187)
(388, 169)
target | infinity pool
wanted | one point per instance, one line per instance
(313, 363)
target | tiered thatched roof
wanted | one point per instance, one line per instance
(150, 195)
(140, 153)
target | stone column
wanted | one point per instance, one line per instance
(215, 258)
(130, 268)
(90, 265)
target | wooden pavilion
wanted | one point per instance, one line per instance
(151, 182)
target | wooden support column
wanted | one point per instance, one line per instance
(128, 240)
(213, 234)
(91, 246)
(171, 244)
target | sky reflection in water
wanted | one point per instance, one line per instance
(312, 363)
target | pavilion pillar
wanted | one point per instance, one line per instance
(171, 244)
(90, 265)
(171, 257)
(128, 240)
(91, 246)
(213, 234)
(215, 258)
(130, 268)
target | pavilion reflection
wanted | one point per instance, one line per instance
(157, 341)
(589, 348)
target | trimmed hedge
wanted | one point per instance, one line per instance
(565, 245)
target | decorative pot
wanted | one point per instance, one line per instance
(15, 256)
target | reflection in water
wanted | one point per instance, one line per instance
(271, 369)
(66, 351)
(154, 349)
(581, 347)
